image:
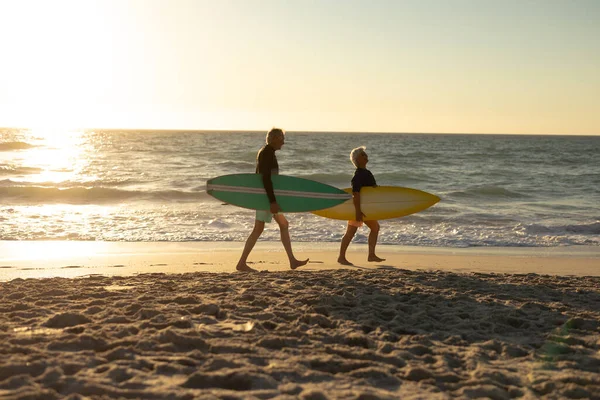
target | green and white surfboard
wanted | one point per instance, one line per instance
(292, 194)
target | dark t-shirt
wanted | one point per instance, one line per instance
(266, 164)
(362, 177)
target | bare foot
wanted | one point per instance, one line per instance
(374, 258)
(298, 263)
(245, 268)
(343, 261)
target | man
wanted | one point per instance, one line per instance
(266, 165)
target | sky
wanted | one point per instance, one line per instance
(440, 66)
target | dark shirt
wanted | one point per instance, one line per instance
(266, 164)
(362, 177)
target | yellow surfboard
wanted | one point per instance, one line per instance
(382, 202)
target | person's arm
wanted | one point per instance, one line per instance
(265, 168)
(268, 184)
(356, 201)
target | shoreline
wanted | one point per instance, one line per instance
(68, 259)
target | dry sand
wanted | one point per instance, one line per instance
(423, 324)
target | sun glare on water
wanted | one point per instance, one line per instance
(58, 154)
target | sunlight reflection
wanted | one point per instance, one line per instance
(59, 154)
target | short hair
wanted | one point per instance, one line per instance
(355, 153)
(274, 133)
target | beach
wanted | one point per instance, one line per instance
(173, 320)
(143, 144)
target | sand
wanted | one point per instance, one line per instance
(174, 322)
(39, 259)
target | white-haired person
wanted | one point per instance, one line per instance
(266, 165)
(362, 177)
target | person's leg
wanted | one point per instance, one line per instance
(374, 227)
(287, 243)
(242, 265)
(350, 232)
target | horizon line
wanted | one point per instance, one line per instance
(305, 131)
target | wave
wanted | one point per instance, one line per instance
(491, 192)
(93, 195)
(398, 177)
(9, 146)
(326, 178)
(236, 165)
(409, 156)
(68, 184)
(13, 170)
(577, 229)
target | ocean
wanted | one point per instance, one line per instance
(134, 185)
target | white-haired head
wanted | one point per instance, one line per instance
(273, 134)
(355, 153)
